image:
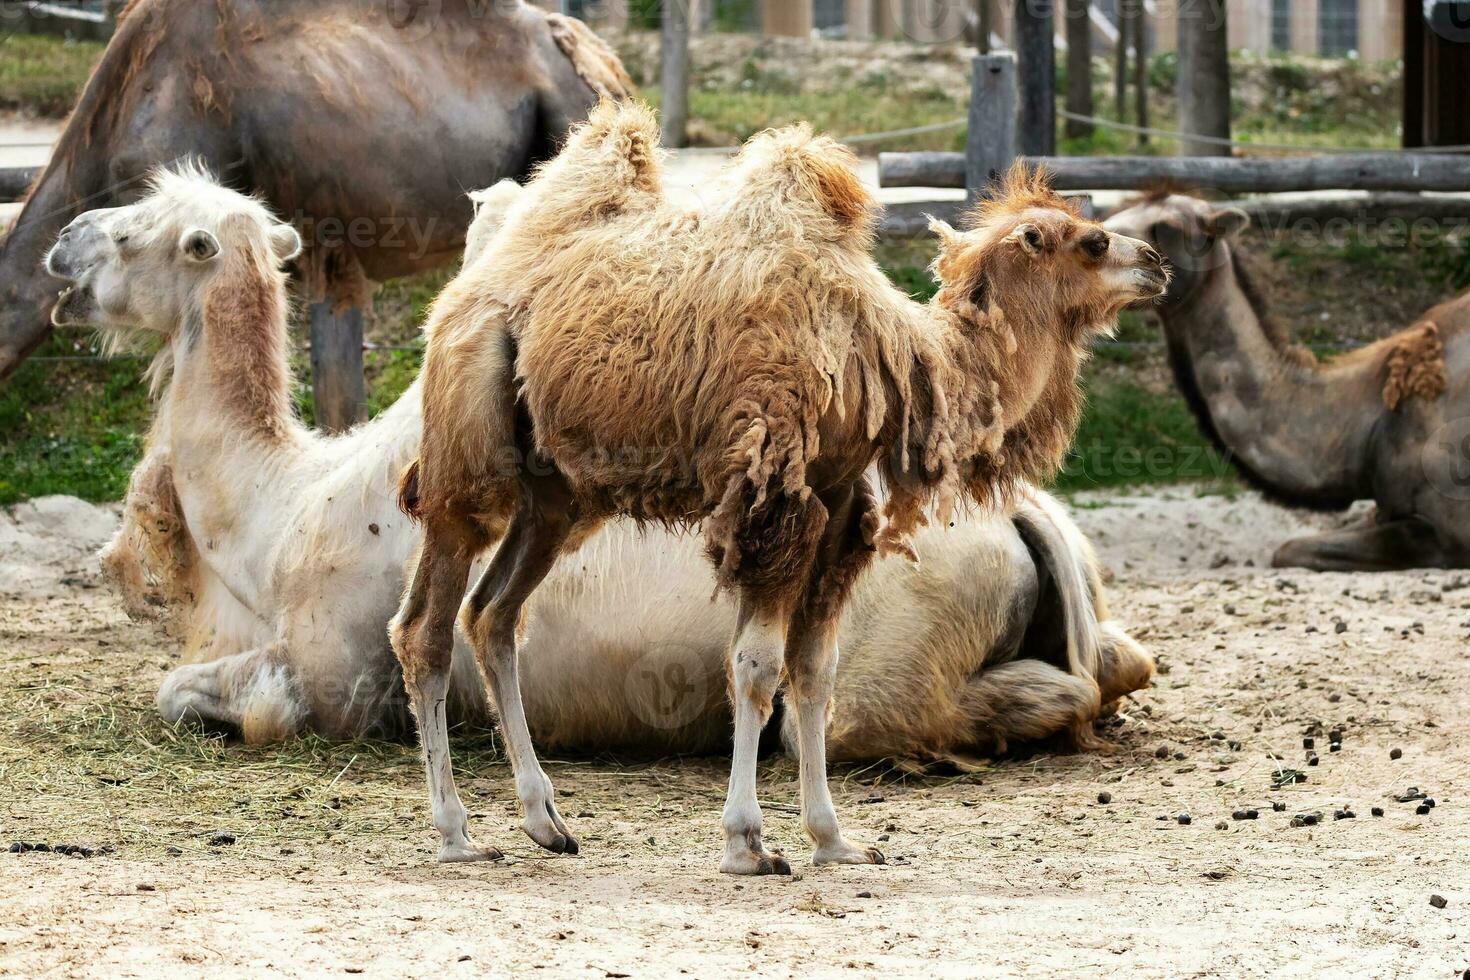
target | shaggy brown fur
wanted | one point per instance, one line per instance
(613, 353)
(247, 357)
(1415, 367)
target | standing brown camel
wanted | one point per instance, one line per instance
(742, 365)
(363, 129)
(1389, 422)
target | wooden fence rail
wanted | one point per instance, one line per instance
(15, 181)
(1348, 172)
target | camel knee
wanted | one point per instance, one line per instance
(254, 694)
(1124, 665)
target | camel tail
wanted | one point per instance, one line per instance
(1066, 554)
(408, 491)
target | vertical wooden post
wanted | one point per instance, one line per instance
(985, 24)
(674, 55)
(991, 144)
(1140, 69)
(337, 383)
(1079, 67)
(1120, 63)
(1204, 77)
(1036, 54)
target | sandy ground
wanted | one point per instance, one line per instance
(1015, 870)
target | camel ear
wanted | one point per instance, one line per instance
(285, 243)
(944, 231)
(1028, 236)
(1228, 222)
(198, 245)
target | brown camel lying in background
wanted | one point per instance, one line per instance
(363, 130)
(1389, 422)
(740, 365)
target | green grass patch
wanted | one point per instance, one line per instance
(1131, 436)
(724, 117)
(44, 75)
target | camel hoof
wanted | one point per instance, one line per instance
(755, 863)
(464, 853)
(556, 842)
(775, 865)
(848, 854)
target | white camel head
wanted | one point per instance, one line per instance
(144, 267)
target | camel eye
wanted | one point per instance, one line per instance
(1096, 246)
(1033, 239)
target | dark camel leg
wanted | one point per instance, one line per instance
(811, 664)
(490, 616)
(1368, 546)
(423, 637)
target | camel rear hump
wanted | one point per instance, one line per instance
(781, 167)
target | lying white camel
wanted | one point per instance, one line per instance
(280, 555)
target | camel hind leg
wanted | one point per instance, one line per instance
(490, 618)
(423, 637)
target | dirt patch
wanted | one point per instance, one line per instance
(317, 858)
(49, 544)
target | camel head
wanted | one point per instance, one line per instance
(1032, 258)
(1193, 235)
(148, 266)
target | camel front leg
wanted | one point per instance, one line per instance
(423, 637)
(490, 617)
(255, 693)
(756, 658)
(812, 667)
(1367, 546)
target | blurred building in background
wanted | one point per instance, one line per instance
(1368, 29)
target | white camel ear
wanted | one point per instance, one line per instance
(285, 243)
(198, 245)
(1028, 236)
(944, 231)
(1228, 222)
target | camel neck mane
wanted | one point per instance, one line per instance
(234, 352)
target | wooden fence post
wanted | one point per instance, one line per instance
(674, 56)
(1140, 70)
(990, 147)
(1204, 78)
(1079, 67)
(337, 383)
(1036, 51)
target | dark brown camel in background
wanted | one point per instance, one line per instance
(363, 121)
(1389, 422)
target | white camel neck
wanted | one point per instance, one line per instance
(231, 482)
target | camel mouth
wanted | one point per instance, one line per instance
(73, 307)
